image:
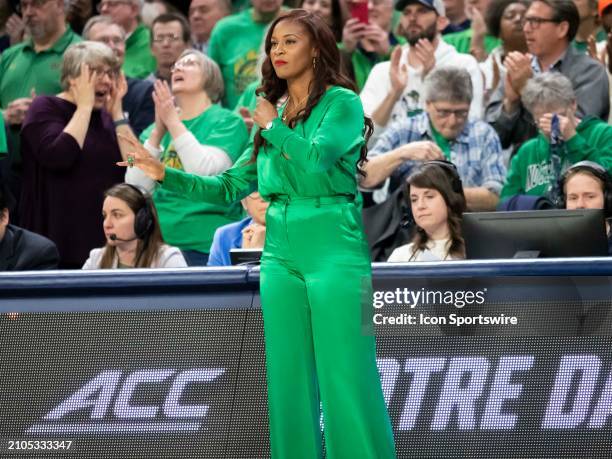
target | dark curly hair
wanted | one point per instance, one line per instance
(328, 71)
(439, 178)
(495, 12)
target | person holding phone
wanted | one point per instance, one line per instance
(367, 38)
(315, 267)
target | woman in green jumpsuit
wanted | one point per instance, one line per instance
(315, 269)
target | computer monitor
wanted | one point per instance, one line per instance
(535, 234)
(245, 256)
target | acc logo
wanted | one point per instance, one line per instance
(98, 394)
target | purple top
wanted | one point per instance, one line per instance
(63, 186)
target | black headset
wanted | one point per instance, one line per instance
(451, 172)
(143, 221)
(598, 171)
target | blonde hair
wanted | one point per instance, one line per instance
(213, 80)
(91, 53)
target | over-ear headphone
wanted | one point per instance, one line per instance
(450, 170)
(143, 221)
(598, 171)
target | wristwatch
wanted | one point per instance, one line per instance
(269, 125)
(121, 122)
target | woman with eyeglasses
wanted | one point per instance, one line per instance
(436, 198)
(194, 134)
(69, 147)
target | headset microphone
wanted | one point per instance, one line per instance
(113, 237)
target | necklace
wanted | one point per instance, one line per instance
(295, 108)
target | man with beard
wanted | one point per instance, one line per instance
(31, 68)
(393, 89)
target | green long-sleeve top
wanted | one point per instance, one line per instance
(529, 171)
(318, 157)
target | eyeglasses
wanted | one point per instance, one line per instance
(111, 4)
(22, 6)
(170, 38)
(111, 40)
(535, 22)
(184, 63)
(460, 114)
(102, 71)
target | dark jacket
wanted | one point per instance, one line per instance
(388, 225)
(138, 103)
(21, 250)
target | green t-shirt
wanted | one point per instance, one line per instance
(22, 70)
(462, 41)
(187, 223)
(234, 45)
(139, 62)
(529, 171)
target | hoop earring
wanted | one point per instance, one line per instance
(314, 63)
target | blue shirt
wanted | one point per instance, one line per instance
(476, 151)
(226, 237)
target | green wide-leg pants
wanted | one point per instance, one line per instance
(315, 279)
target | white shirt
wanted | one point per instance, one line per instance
(437, 250)
(169, 257)
(378, 84)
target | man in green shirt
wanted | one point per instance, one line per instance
(539, 163)
(235, 43)
(31, 68)
(139, 61)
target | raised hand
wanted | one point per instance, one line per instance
(114, 104)
(253, 236)
(82, 88)
(567, 125)
(15, 28)
(352, 32)
(424, 51)
(166, 113)
(264, 112)
(519, 70)
(375, 40)
(139, 157)
(398, 74)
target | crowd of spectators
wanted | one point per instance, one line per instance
(474, 103)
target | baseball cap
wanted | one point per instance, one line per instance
(435, 5)
(603, 4)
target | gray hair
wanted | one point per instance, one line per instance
(450, 84)
(213, 79)
(100, 19)
(548, 90)
(91, 53)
